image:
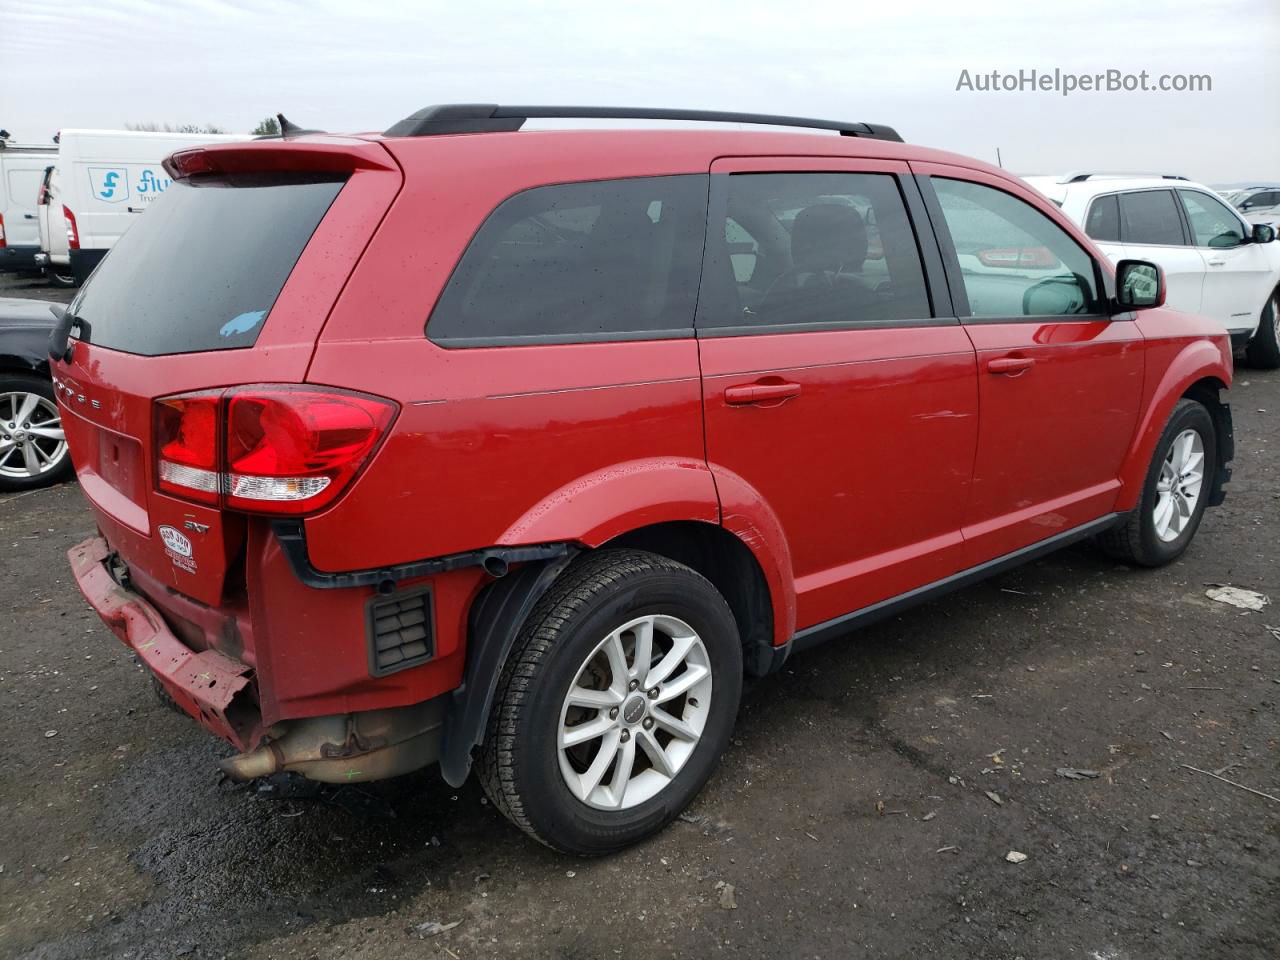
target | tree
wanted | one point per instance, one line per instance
(153, 127)
(267, 127)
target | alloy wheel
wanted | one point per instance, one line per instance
(1178, 486)
(634, 713)
(31, 438)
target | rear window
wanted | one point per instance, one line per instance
(605, 260)
(202, 267)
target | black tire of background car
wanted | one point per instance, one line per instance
(1263, 349)
(519, 762)
(1135, 541)
(60, 277)
(24, 383)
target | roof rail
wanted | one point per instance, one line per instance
(490, 118)
(1079, 176)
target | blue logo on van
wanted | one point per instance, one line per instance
(109, 184)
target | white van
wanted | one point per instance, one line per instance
(105, 178)
(22, 167)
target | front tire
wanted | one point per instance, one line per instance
(1174, 494)
(615, 704)
(1263, 349)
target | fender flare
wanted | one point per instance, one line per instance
(493, 625)
(747, 515)
(1199, 360)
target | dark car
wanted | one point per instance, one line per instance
(33, 452)
(467, 445)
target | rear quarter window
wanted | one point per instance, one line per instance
(604, 260)
(201, 269)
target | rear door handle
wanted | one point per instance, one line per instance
(1010, 364)
(748, 393)
(1217, 263)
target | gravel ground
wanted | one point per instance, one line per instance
(866, 806)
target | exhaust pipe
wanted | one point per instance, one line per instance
(349, 747)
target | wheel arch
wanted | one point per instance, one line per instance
(732, 569)
(1201, 371)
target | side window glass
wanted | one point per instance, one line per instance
(1151, 217)
(1103, 222)
(815, 249)
(1015, 261)
(1212, 224)
(609, 259)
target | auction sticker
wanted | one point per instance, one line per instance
(178, 547)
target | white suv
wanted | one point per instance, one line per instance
(1215, 262)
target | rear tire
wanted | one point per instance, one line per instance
(543, 764)
(62, 277)
(1263, 349)
(1162, 526)
(32, 453)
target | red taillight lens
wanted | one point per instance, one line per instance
(292, 450)
(285, 449)
(73, 232)
(3, 242)
(186, 437)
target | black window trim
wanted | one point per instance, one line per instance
(955, 276)
(937, 287)
(560, 339)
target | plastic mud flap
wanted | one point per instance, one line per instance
(214, 689)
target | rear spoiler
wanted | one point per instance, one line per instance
(312, 155)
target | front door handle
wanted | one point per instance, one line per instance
(1014, 365)
(1217, 263)
(760, 392)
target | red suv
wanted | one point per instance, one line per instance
(465, 445)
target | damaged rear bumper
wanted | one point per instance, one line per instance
(210, 686)
(220, 693)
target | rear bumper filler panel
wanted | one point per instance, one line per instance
(496, 561)
(210, 686)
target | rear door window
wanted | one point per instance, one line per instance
(605, 260)
(201, 269)
(811, 250)
(1150, 217)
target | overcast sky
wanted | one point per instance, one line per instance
(343, 65)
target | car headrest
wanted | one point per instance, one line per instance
(828, 236)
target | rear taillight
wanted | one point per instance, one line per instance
(186, 438)
(73, 232)
(266, 449)
(3, 242)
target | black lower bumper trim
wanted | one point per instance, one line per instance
(496, 561)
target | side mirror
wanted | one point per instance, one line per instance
(1263, 233)
(1139, 285)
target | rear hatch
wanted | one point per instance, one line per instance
(226, 280)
